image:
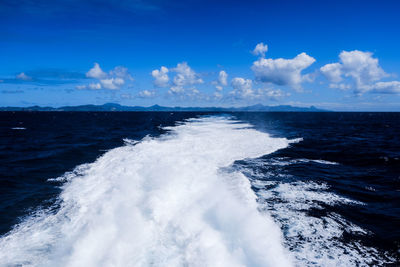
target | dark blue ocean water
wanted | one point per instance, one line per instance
(335, 193)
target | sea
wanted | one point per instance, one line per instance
(199, 189)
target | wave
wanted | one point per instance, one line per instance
(165, 201)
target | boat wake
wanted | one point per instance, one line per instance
(166, 201)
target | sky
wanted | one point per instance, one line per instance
(337, 55)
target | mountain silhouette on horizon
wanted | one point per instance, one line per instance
(118, 107)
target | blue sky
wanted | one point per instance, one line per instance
(340, 55)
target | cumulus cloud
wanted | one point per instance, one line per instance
(243, 89)
(96, 72)
(223, 78)
(220, 83)
(146, 94)
(283, 71)
(113, 80)
(161, 78)
(333, 72)
(361, 68)
(260, 50)
(22, 76)
(112, 83)
(185, 76)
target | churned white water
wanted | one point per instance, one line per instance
(163, 201)
(314, 235)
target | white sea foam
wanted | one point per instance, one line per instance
(165, 201)
(131, 142)
(287, 161)
(316, 240)
(325, 162)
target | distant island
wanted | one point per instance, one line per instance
(118, 107)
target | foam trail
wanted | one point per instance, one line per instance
(163, 202)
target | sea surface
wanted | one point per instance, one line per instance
(199, 189)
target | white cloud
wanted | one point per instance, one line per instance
(360, 67)
(392, 87)
(96, 72)
(184, 76)
(242, 88)
(22, 76)
(220, 83)
(112, 83)
(273, 94)
(283, 71)
(119, 81)
(146, 94)
(223, 78)
(176, 90)
(112, 80)
(94, 86)
(333, 72)
(161, 78)
(260, 50)
(121, 72)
